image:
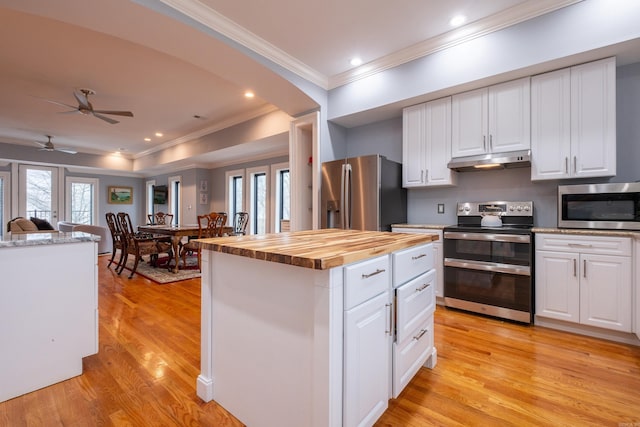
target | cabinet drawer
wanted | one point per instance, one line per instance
(415, 303)
(603, 245)
(408, 357)
(365, 280)
(411, 262)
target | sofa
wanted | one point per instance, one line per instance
(105, 243)
(22, 225)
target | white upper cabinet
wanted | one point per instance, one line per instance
(426, 145)
(573, 122)
(492, 120)
(413, 156)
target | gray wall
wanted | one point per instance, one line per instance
(513, 184)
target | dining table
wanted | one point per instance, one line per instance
(176, 233)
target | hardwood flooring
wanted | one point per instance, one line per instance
(489, 372)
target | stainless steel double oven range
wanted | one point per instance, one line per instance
(489, 270)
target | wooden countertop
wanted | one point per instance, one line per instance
(317, 249)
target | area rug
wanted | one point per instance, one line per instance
(163, 274)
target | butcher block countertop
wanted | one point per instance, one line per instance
(317, 249)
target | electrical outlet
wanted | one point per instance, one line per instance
(440, 208)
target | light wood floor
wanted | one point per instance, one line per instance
(489, 373)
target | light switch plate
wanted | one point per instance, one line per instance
(440, 208)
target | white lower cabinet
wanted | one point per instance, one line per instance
(585, 280)
(367, 361)
(414, 281)
(386, 343)
(367, 340)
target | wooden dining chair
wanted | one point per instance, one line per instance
(138, 245)
(162, 218)
(117, 238)
(240, 221)
(219, 219)
(205, 230)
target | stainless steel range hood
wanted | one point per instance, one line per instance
(512, 159)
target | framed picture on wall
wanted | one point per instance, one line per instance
(120, 195)
(203, 185)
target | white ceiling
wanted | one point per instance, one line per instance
(167, 72)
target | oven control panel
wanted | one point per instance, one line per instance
(501, 208)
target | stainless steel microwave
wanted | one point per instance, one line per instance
(606, 206)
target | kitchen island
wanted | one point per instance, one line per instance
(301, 328)
(48, 308)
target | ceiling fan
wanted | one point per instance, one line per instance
(85, 107)
(48, 146)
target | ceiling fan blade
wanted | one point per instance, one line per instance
(105, 118)
(82, 100)
(40, 144)
(63, 105)
(66, 150)
(115, 113)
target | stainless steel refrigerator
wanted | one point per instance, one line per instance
(362, 193)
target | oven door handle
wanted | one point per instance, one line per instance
(496, 267)
(493, 237)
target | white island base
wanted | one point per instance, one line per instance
(271, 339)
(273, 343)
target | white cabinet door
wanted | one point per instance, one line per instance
(496, 119)
(438, 143)
(605, 290)
(593, 118)
(367, 367)
(509, 116)
(551, 125)
(573, 122)
(413, 155)
(557, 285)
(426, 145)
(469, 123)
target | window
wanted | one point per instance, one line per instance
(175, 198)
(234, 193)
(149, 197)
(280, 191)
(38, 192)
(258, 200)
(82, 197)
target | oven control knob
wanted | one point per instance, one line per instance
(511, 208)
(519, 208)
(527, 208)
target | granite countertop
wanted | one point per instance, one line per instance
(317, 249)
(39, 239)
(426, 226)
(587, 232)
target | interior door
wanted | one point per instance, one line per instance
(38, 192)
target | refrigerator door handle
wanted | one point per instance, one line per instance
(346, 196)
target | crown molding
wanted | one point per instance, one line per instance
(499, 21)
(219, 23)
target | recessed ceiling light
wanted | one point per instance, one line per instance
(356, 62)
(147, 139)
(159, 134)
(457, 20)
(249, 94)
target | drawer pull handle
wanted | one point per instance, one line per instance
(422, 288)
(579, 245)
(378, 271)
(418, 257)
(420, 334)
